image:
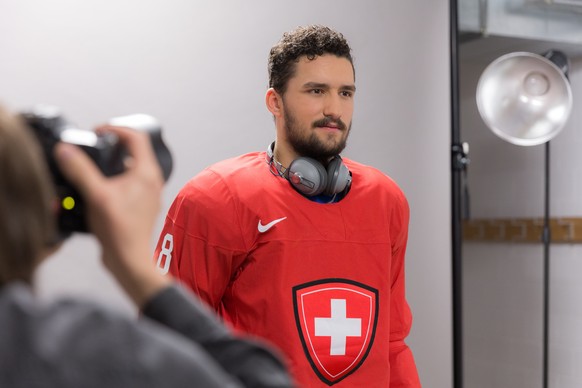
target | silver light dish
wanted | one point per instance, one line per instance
(524, 98)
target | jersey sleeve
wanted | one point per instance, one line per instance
(403, 371)
(201, 243)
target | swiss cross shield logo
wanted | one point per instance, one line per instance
(336, 320)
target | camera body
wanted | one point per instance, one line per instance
(50, 127)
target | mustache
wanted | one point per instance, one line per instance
(324, 122)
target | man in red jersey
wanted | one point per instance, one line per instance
(295, 244)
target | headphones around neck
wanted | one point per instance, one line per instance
(310, 177)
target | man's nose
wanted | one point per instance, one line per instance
(333, 106)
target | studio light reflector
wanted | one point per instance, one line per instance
(524, 98)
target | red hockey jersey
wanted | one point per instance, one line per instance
(322, 282)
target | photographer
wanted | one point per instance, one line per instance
(176, 343)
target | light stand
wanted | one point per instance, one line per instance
(458, 159)
(546, 239)
(526, 99)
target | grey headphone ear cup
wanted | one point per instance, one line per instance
(307, 176)
(338, 177)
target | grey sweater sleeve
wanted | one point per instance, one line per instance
(250, 362)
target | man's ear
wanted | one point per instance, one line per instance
(274, 102)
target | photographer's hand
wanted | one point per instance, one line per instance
(121, 210)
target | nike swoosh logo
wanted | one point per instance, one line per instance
(263, 228)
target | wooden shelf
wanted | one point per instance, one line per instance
(525, 230)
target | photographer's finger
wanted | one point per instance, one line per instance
(137, 143)
(139, 147)
(77, 167)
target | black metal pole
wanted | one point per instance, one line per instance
(561, 60)
(546, 239)
(456, 169)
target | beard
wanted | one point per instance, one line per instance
(305, 141)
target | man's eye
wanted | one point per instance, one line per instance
(347, 94)
(316, 91)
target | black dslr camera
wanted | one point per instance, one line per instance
(106, 151)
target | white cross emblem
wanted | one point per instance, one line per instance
(338, 327)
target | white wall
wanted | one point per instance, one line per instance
(503, 283)
(200, 67)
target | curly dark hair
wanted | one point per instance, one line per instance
(310, 41)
